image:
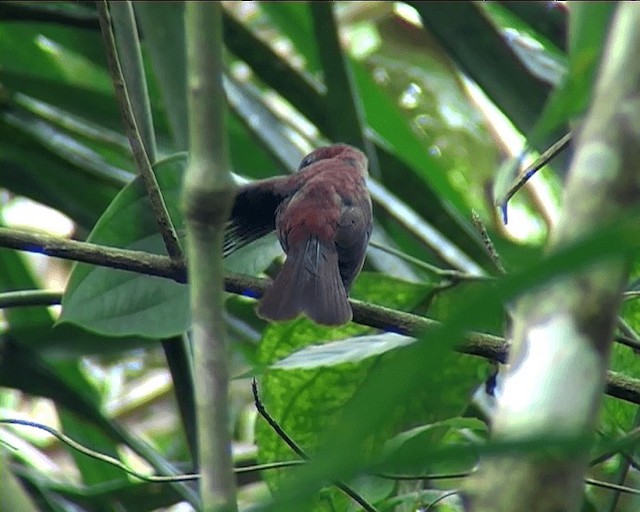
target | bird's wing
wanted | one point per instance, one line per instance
(352, 237)
(254, 212)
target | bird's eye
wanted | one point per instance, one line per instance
(307, 160)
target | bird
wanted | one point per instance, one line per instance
(323, 218)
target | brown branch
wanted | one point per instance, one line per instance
(557, 147)
(143, 164)
(123, 259)
(275, 426)
(483, 345)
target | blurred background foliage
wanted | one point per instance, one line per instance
(448, 99)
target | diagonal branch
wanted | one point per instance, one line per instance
(140, 155)
(298, 450)
(477, 344)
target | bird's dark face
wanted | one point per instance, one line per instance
(351, 155)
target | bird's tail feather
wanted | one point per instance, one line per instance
(308, 283)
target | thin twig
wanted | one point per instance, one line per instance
(441, 498)
(538, 164)
(442, 272)
(140, 155)
(97, 455)
(129, 56)
(631, 438)
(299, 451)
(274, 424)
(247, 469)
(613, 487)
(443, 476)
(26, 298)
(134, 261)
(486, 240)
(63, 438)
(628, 342)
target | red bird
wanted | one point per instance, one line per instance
(322, 216)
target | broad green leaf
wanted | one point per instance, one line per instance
(422, 439)
(307, 398)
(49, 51)
(488, 61)
(421, 372)
(351, 350)
(254, 257)
(387, 120)
(164, 42)
(121, 303)
(64, 187)
(588, 24)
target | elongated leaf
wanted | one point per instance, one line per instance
(294, 19)
(121, 303)
(351, 350)
(305, 394)
(163, 28)
(488, 61)
(13, 496)
(589, 24)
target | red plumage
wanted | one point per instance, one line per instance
(323, 219)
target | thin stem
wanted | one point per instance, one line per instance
(486, 240)
(442, 272)
(299, 451)
(130, 58)
(441, 498)
(538, 164)
(611, 486)
(97, 455)
(25, 298)
(107, 459)
(140, 154)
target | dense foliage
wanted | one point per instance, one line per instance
(442, 97)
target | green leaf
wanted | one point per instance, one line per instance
(588, 24)
(351, 350)
(295, 21)
(418, 375)
(164, 42)
(254, 257)
(488, 61)
(48, 51)
(409, 444)
(120, 303)
(305, 394)
(386, 119)
(13, 496)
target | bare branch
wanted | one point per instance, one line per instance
(140, 154)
